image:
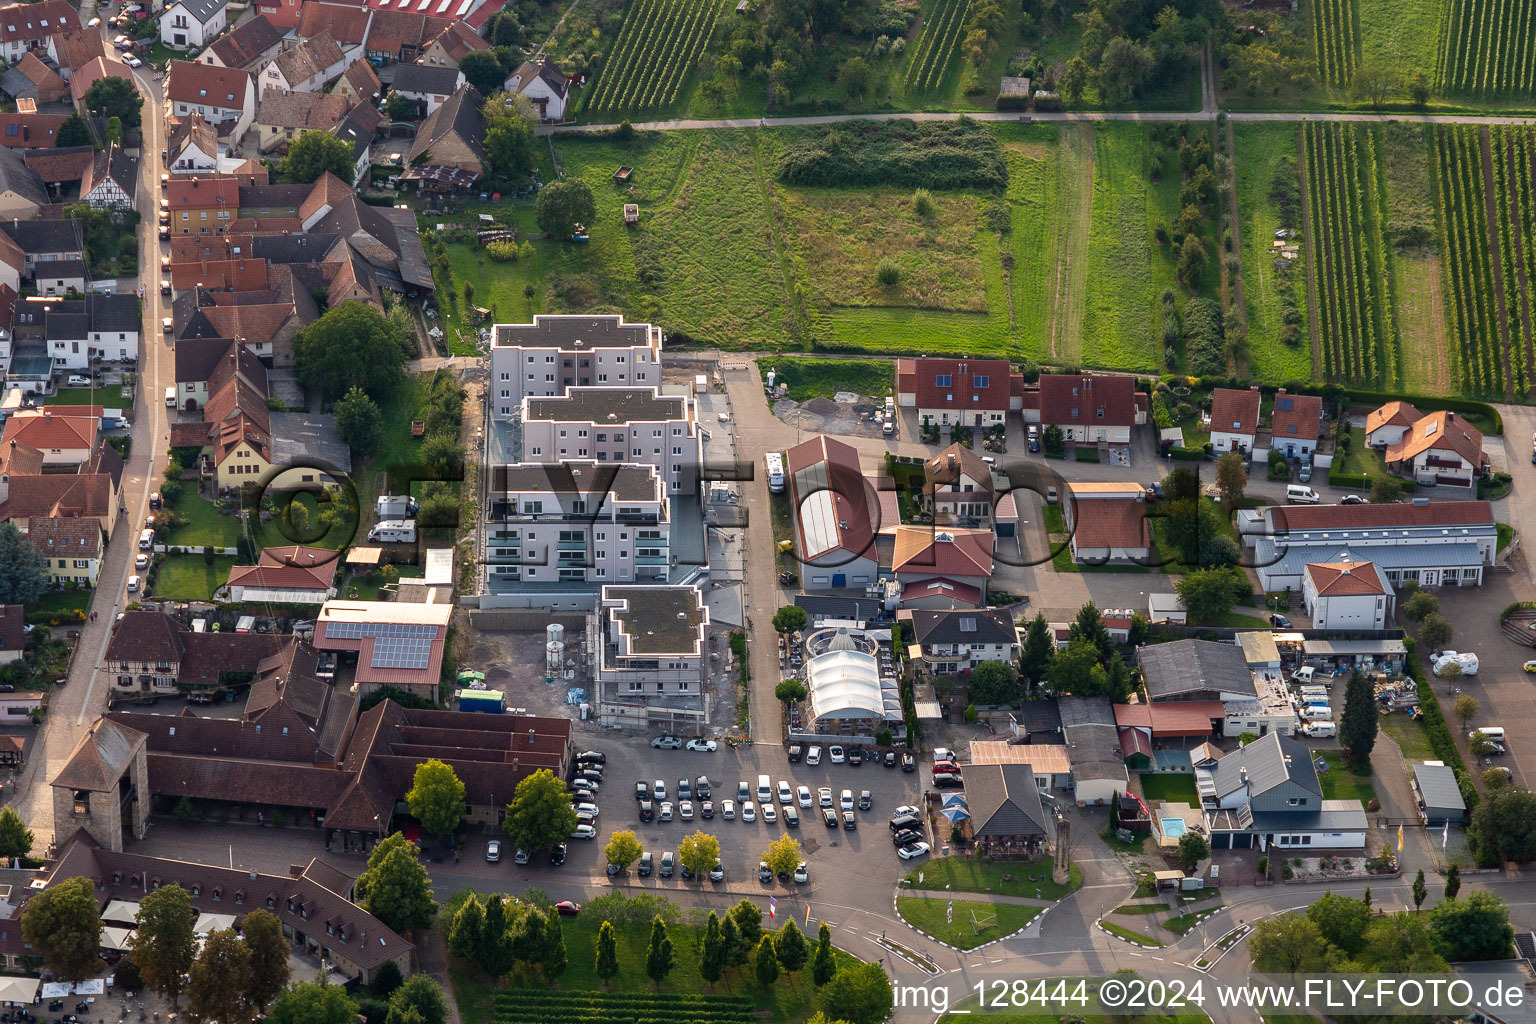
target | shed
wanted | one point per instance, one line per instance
(1013, 88)
(631, 214)
(1438, 796)
(1166, 608)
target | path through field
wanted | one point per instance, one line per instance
(1421, 323)
(1076, 192)
(1490, 201)
(1314, 328)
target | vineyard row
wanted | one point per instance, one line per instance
(661, 41)
(1488, 48)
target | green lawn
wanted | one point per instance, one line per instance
(964, 932)
(1260, 150)
(813, 378)
(188, 578)
(1410, 736)
(361, 589)
(1182, 923)
(979, 875)
(205, 525)
(1362, 458)
(1129, 933)
(1339, 783)
(62, 603)
(1237, 620)
(1174, 787)
(398, 447)
(1119, 326)
(789, 1000)
(108, 397)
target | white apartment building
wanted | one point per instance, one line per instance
(617, 425)
(653, 640)
(555, 353)
(576, 522)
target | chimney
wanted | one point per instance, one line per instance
(1242, 773)
(530, 737)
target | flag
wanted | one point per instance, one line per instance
(1399, 839)
(773, 906)
(949, 912)
(1445, 834)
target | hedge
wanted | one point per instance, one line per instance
(1424, 403)
(1338, 479)
(1440, 737)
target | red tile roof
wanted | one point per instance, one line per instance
(296, 568)
(844, 481)
(206, 85)
(962, 595)
(1171, 718)
(1439, 431)
(1235, 412)
(1396, 413)
(1288, 518)
(37, 21)
(203, 194)
(239, 275)
(1109, 523)
(1345, 579)
(1083, 400)
(975, 384)
(43, 430)
(96, 69)
(1297, 417)
(926, 551)
(347, 23)
(33, 131)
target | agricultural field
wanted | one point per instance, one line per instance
(1399, 33)
(1263, 152)
(1335, 39)
(658, 45)
(936, 47)
(1484, 230)
(1488, 49)
(1348, 249)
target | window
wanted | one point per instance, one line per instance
(942, 380)
(981, 381)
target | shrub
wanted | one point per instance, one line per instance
(503, 250)
(888, 274)
(913, 154)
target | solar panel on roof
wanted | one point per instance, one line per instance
(967, 625)
(464, 8)
(1283, 404)
(401, 652)
(359, 630)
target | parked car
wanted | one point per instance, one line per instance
(813, 754)
(855, 757)
(803, 793)
(796, 752)
(947, 780)
(850, 822)
(701, 787)
(567, 908)
(133, 584)
(667, 861)
(791, 816)
(557, 855)
(835, 754)
(707, 810)
(647, 810)
(521, 856)
(645, 865)
(912, 850)
(666, 743)
(788, 579)
(79, 380)
(141, 561)
(890, 759)
(905, 836)
(865, 800)
(1353, 499)
(802, 875)
(908, 763)
(748, 812)
(728, 810)
(666, 810)
(824, 796)
(845, 800)
(584, 831)
(493, 851)
(642, 791)
(703, 746)
(591, 757)
(829, 816)
(786, 795)
(685, 810)
(770, 814)
(905, 821)
(658, 790)
(717, 873)
(763, 873)
(1280, 621)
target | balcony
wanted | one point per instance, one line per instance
(652, 560)
(572, 545)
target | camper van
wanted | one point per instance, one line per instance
(1301, 494)
(1320, 730)
(1493, 732)
(775, 463)
(1317, 713)
(397, 506)
(394, 531)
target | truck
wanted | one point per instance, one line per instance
(394, 531)
(397, 506)
(1466, 659)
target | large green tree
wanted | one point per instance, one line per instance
(116, 97)
(993, 682)
(465, 934)
(15, 837)
(63, 923)
(483, 71)
(623, 848)
(860, 994)
(698, 852)
(1089, 626)
(1290, 944)
(305, 1002)
(765, 964)
(823, 964)
(782, 855)
(1358, 726)
(395, 888)
(790, 619)
(712, 953)
(1341, 920)
(220, 979)
(312, 154)
(552, 960)
(23, 572)
(269, 957)
(540, 813)
(496, 955)
(562, 205)
(436, 797)
(1039, 649)
(73, 131)
(420, 996)
(606, 961)
(351, 346)
(359, 422)
(509, 138)
(790, 947)
(1077, 671)
(1402, 944)
(163, 945)
(1504, 824)
(1208, 594)
(658, 952)
(1476, 928)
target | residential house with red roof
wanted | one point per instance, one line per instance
(72, 549)
(1386, 424)
(393, 643)
(1107, 523)
(1295, 424)
(834, 509)
(948, 557)
(359, 83)
(224, 97)
(1234, 419)
(63, 440)
(306, 67)
(449, 48)
(291, 575)
(29, 493)
(30, 130)
(192, 148)
(1347, 595)
(33, 80)
(347, 23)
(977, 393)
(201, 206)
(545, 85)
(282, 115)
(960, 491)
(26, 27)
(252, 43)
(1089, 408)
(235, 434)
(92, 72)
(1440, 449)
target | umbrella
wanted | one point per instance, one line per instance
(955, 814)
(955, 800)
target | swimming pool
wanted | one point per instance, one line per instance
(1174, 828)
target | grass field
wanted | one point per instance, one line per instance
(1174, 787)
(205, 525)
(1399, 33)
(63, 603)
(106, 397)
(1410, 735)
(1339, 783)
(992, 921)
(976, 875)
(189, 578)
(812, 378)
(1119, 327)
(1260, 149)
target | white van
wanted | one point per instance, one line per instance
(394, 531)
(1317, 713)
(1304, 675)
(1313, 691)
(764, 791)
(147, 540)
(1320, 730)
(170, 397)
(1493, 732)
(1301, 494)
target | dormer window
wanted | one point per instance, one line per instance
(197, 891)
(218, 893)
(271, 903)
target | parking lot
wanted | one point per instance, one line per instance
(835, 858)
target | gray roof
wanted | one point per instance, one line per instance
(622, 482)
(124, 170)
(304, 437)
(1184, 666)
(660, 620)
(830, 607)
(118, 313)
(460, 116)
(1003, 800)
(305, 248)
(1269, 761)
(44, 236)
(1093, 741)
(426, 78)
(202, 10)
(62, 269)
(16, 176)
(964, 626)
(572, 332)
(1332, 816)
(1289, 559)
(1437, 787)
(67, 326)
(611, 405)
(1038, 716)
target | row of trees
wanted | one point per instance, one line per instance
(497, 933)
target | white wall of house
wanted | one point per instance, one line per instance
(180, 29)
(1346, 611)
(541, 372)
(1226, 441)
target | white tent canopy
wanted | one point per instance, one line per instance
(213, 922)
(847, 684)
(89, 987)
(121, 912)
(18, 990)
(115, 938)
